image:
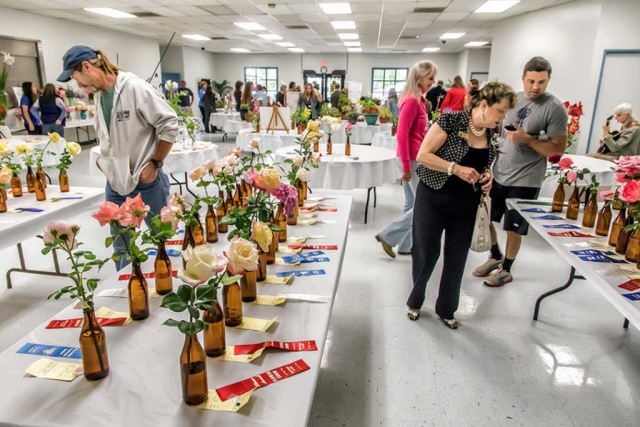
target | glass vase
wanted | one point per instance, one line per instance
(316, 145)
(163, 272)
(220, 213)
(633, 248)
(232, 304)
(237, 197)
(41, 194)
(138, 294)
(63, 179)
(347, 147)
(273, 247)
(31, 180)
(604, 220)
(302, 189)
(16, 185)
(574, 204)
(214, 332)
(248, 286)
(558, 199)
(211, 225)
(93, 347)
(228, 204)
(42, 175)
(193, 371)
(262, 265)
(329, 146)
(617, 227)
(623, 238)
(590, 212)
(197, 231)
(292, 218)
(3, 200)
(281, 222)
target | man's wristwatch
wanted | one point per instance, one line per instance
(157, 163)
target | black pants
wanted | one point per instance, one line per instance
(435, 212)
(37, 130)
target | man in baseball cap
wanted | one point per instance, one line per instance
(73, 59)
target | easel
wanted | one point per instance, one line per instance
(273, 123)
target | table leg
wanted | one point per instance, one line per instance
(572, 276)
(186, 184)
(626, 323)
(375, 198)
(23, 268)
(366, 207)
(225, 136)
(176, 182)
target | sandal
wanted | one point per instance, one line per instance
(413, 315)
(449, 323)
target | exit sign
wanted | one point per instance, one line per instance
(323, 63)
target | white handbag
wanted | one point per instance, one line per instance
(481, 241)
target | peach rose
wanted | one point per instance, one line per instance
(243, 256)
(267, 179)
(107, 212)
(5, 175)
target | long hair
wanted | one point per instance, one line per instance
(418, 70)
(247, 96)
(457, 82)
(103, 63)
(392, 94)
(239, 85)
(306, 96)
(27, 89)
(208, 90)
(49, 91)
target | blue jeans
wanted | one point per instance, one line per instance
(52, 127)
(154, 194)
(398, 233)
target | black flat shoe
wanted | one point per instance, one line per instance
(404, 253)
(449, 323)
(412, 315)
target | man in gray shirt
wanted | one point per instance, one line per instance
(539, 130)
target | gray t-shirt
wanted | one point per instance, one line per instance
(519, 165)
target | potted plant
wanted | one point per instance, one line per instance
(385, 115)
(301, 116)
(370, 111)
(352, 117)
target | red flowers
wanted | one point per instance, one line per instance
(574, 110)
(565, 163)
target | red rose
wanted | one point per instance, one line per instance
(565, 163)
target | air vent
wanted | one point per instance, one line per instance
(297, 27)
(219, 38)
(146, 15)
(409, 37)
(429, 9)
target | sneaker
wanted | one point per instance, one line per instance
(499, 278)
(387, 247)
(485, 269)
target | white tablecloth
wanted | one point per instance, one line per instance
(178, 160)
(600, 168)
(367, 167)
(362, 133)
(279, 139)
(16, 227)
(219, 120)
(385, 140)
(77, 123)
(235, 126)
(40, 142)
(143, 387)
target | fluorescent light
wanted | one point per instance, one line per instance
(195, 37)
(496, 6)
(355, 49)
(431, 49)
(349, 36)
(239, 50)
(336, 8)
(352, 44)
(452, 35)
(286, 44)
(111, 13)
(296, 49)
(344, 25)
(476, 44)
(250, 26)
(270, 36)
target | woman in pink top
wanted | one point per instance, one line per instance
(454, 100)
(412, 127)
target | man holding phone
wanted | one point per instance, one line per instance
(535, 130)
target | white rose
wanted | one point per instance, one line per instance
(231, 160)
(254, 143)
(298, 160)
(302, 175)
(316, 157)
(335, 126)
(201, 264)
(243, 256)
(73, 148)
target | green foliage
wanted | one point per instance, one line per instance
(65, 160)
(353, 116)
(325, 110)
(394, 120)
(301, 114)
(158, 233)
(221, 87)
(385, 112)
(343, 101)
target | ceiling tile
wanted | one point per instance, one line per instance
(458, 16)
(190, 10)
(280, 9)
(395, 18)
(423, 16)
(366, 7)
(309, 9)
(466, 6)
(245, 9)
(416, 24)
(314, 18)
(361, 17)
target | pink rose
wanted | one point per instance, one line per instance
(133, 211)
(622, 178)
(348, 127)
(607, 194)
(170, 214)
(249, 175)
(63, 230)
(197, 173)
(554, 159)
(234, 152)
(572, 176)
(107, 212)
(565, 163)
(629, 165)
(630, 192)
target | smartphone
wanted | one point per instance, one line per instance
(609, 119)
(511, 128)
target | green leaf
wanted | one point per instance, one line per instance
(171, 322)
(206, 293)
(185, 292)
(187, 328)
(108, 241)
(174, 303)
(92, 284)
(228, 280)
(89, 256)
(193, 312)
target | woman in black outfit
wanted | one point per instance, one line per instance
(455, 161)
(209, 101)
(237, 94)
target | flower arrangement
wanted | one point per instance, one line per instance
(369, 106)
(573, 126)
(7, 62)
(185, 116)
(348, 129)
(569, 175)
(334, 124)
(38, 153)
(81, 106)
(301, 114)
(305, 157)
(6, 156)
(627, 172)
(242, 256)
(70, 150)
(385, 113)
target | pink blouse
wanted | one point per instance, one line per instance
(412, 127)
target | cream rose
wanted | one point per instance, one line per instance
(254, 143)
(313, 125)
(201, 265)
(267, 179)
(298, 160)
(262, 235)
(23, 148)
(54, 137)
(302, 175)
(197, 173)
(73, 148)
(4, 149)
(5, 175)
(242, 256)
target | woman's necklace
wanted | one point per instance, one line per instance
(473, 129)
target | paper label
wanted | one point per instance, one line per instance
(213, 402)
(300, 273)
(151, 275)
(323, 247)
(536, 210)
(570, 234)
(593, 252)
(254, 324)
(602, 258)
(281, 261)
(286, 250)
(124, 293)
(307, 222)
(631, 285)
(52, 370)
(293, 239)
(275, 280)
(269, 300)
(308, 215)
(618, 270)
(306, 297)
(51, 351)
(231, 356)
(262, 380)
(563, 226)
(107, 313)
(549, 217)
(599, 244)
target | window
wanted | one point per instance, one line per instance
(384, 79)
(265, 76)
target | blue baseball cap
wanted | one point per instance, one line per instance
(74, 57)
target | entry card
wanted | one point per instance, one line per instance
(570, 234)
(52, 370)
(534, 203)
(275, 280)
(286, 250)
(563, 226)
(633, 297)
(281, 261)
(151, 275)
(213, 402)
(300, 273)
(294, 239)
(549, 217)
(262, 380)
(50, 350)
(269, 300)
(308, 345)
(618, 270)
(536, 210)
(230, 355)
(306, 297)
(631, 285)
(254, 324)
(593, 252)
(170, 252)
(602, 258)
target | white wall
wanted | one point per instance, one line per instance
(477, 61)
(198, 65)
(173, 60)
(463, 59)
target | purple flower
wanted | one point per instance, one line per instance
(288, 195)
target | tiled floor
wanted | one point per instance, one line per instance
(576, 367)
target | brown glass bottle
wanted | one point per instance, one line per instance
(31, 180)
(43, 176)
(237, 197)
(197, 231)
(316, 145)
(617, 226)
(41, 194)
(273, 247)
(232, 304)
(590, 212)
(16, 185)
(248, 192)
(281, 222)
(63, 179)
(220, 213)
(633, 248)
(248, 285)
(558, 199)
(262, 265)
(300, 187)
(193, 371)
(162, 270)
(3, 200)
(623, 238)
(211, 225)
(574, 205)
(604, 220)
(347, 148)
(329, 147)
(138, 294)
(93, 346)
(214, 332)
(292, 218)
(228, 204)
(617, 204)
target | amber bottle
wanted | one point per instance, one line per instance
(590, 212)
(633, 248)
(138, 294)
(211, 225)
(237, 197)
(197, 231)
(273, 247)
(347, 148)
(329, 147)
(623, 238)
(281, 221)
(617, 226)
(574, 205)
(193, 371)
(214, 332)
(93, 346)
(292, 218)
(248, 285)
(162, 270)
(220, 213)
(16, 185)
(228, 204)
(558, 199)
(42, 176)
(232, 304)
(3, 200)
(63, 179)
(604, 220)
(31, 180)
(262, 265)
(41, 194)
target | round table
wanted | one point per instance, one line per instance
(219, 120)
(268, 140)
(362, 133)
(40, 142)
(385, 140)
(366, 168)
(235, 126)
(598, 167)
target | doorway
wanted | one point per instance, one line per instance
(324, 82)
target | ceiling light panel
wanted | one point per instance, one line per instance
(476, 44)
(451, 36)
(431, 49)
(249, 26)
(197, 37)
(286, 44)
(355, 49)
(270, 36)
(344, 25)
(296, 49)
(111, 13)
(496, 6)
(349, 36)
(352, 44)
(335, 8)
(239, 50)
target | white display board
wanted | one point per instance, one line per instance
(281, 121)
(292, 99)
(355, 91)
(5, 132)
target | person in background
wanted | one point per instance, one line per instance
(412, 127)
(540, 120)
(261, 96)
(454, 100)
(281, 98)
(209, 101)
(246, 99)
(292, 86)
(471, 86)
(186, 97)
(29, 97)
(309, 98)
(237, 94)
(50, 110)
(435, 96)
(201, 92)
(627, 141)
(455, 170)
(392, 101)
(335, 96)
(136, 129)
